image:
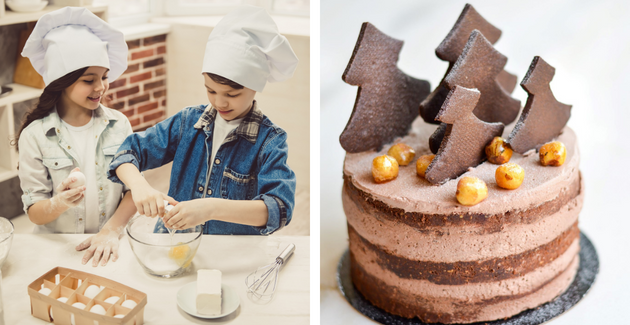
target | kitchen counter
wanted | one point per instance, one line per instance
(235, 256)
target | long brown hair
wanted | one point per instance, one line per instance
(48, 100)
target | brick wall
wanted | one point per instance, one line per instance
(140, 93)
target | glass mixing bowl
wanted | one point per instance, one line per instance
(6, 237)
(162, 254)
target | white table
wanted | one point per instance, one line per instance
(235, 256)
(588, 42)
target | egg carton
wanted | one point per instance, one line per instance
(72, 285)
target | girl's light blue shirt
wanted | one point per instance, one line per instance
(46, 158)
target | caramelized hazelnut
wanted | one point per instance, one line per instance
(471, 190)
(552, 154)
(509, 176)
(498, 151)
(403, 153)
(384, 168)
(423, 163)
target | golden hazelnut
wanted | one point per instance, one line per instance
(498, 151)
(384, 168)
(509, 176)
(403, 153)
(423, 163)
(552, 154)
(471, 190)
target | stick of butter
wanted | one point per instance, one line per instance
(209, 292)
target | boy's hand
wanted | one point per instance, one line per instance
(149, 201)
(101, 246)
(66, 196)
(188, 214)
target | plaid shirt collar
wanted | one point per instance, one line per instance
(248, 129)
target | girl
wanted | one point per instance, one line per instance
(77, 54)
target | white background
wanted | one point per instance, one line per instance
(588, 42)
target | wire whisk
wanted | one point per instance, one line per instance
(262, 282)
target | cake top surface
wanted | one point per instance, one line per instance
(415, 194)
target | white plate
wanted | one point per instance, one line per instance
(20, 7)
(187, 294)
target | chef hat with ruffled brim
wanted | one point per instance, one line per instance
(72, 38)
(246, 47)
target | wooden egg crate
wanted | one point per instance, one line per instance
(72, 285)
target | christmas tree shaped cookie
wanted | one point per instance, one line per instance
(543, 117)
(465, 136)
(451, 48)
(478, 67)
(387, 100)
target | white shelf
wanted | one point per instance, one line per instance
(8, 155)
(12, 17)
(7, 174)
(144, 30)
(20, 93)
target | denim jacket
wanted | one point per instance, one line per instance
(251, 164)
(47, 157)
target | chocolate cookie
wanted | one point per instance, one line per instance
(387, 99)
(478, 67)
(451, 48)
(495, 104)
(465, 136)
(543, 117)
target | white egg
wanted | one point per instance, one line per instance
(167, 206)
(112, 300)
(98, 309)
(92, 291)
(45, 291)
(62, 299)
(119, 316)
(80, 179)
(129, 304)
(79, 305)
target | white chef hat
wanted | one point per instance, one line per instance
(247, 48)
(72, 38)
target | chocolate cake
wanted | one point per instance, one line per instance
(415, 251)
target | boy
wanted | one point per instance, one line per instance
(229, 160)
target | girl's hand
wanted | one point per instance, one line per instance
(188, 214)
(100, 247)
(149, 201)
(65, 195)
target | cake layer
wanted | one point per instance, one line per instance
(464, 303)
(481, 222)
(398, 235)
(468, 291)
(456, 273)
(410, 193)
